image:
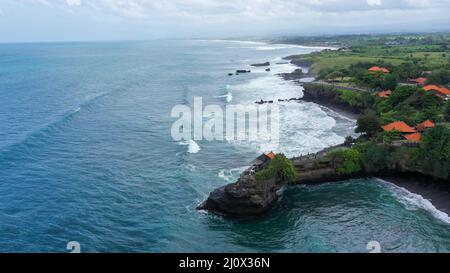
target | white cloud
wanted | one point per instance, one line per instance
(73, 2)
(144, 8)
(419, 3)
(167, 18)
(374, 2)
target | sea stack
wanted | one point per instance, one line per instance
(247, 197)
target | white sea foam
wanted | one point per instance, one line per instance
(233, 41)
(304, 127)
(193, 147)
(231, 175)
(414, 201)
(228, 96)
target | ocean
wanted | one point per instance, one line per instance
(86, 155)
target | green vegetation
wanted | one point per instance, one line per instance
(355, 99)
(349, 83)
(280, 168)
(447, 111)
(349, 161)
(411, 105)
(377, 158)
(390, 137)
(441, 77)
(369, 124)
(406, 56)
(435, 152)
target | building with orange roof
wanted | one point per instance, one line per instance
(263, 161)
(378, 69)
(420, 81)
(425, 125)
(439, 91)
(271, 155)
(385, 94)
(399, 126)
(416, 137)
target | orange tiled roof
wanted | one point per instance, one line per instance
(399, 126)
(414, 137)
(385, 94)
(441, 90)
(379, 69)
(271, 155)
(421, 80)
(425, 125)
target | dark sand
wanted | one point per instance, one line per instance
(438, 193)
(347, 114)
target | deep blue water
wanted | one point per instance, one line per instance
(86, 155)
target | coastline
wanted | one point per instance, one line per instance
(248, 197)
(339, 111)
(438, 194)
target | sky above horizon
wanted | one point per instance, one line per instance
(75, 20)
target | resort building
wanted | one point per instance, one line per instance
(419, 81)
(425, 126)
(399, 126)
(417, 137)
(384, 94)
(408, 133)
(438, 91)
(376, 69)
(262, 161)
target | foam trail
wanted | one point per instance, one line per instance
(193, 147)
(230, 175)
(228, 96)
(416, 200)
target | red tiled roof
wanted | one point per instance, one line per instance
(378, 69)
(399, 126)
(421, 80)
(414, 137)
(442, 90)
(425, 125)
(271, 155)
(385, 94)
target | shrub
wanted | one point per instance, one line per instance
(377, 158)
(348, 161)
(368, 124)
(280, 168)
(447, 111)
(435, 151)
(391, 136)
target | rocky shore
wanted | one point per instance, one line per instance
(252, 197)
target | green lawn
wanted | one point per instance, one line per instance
(336, 60)
(433, 56)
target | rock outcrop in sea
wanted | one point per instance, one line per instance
(251, 197)
(246, 197)
(261, 64)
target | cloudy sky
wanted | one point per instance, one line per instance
(62, 20)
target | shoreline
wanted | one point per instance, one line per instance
(345, 113)
(436, 193)
(247, 197)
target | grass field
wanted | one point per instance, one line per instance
(430, 53)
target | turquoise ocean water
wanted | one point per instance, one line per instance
(86, 155)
